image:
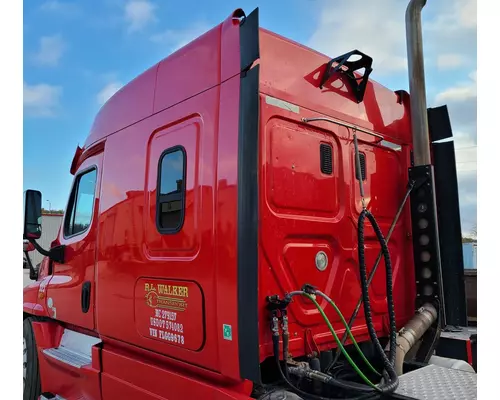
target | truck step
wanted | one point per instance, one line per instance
(50, 396)
(67, 356)
(75, 349)
(438, 383)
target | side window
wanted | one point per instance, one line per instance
(170, 191)
(81, 204)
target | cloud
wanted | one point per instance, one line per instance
(342, 26)
(457, 93)
(50, 51)
(377, 28)
(138, 14)
(176, 39)
(454, 16)
(453, 30)
(60, 7)
(107, 91)
(461, 100)
(467, 191)
(41, 100)
(345, 25)
(450, 61)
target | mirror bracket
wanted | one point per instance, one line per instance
(55, 253)
(33, 273)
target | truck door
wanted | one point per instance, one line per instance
(70, 292)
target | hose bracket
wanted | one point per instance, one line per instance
(278, 306)
(311, 348)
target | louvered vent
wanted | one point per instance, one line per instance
(362, 161)
(325, 155)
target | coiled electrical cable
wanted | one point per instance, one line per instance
(410, 187)
(393, 382)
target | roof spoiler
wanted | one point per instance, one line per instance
(76, 158)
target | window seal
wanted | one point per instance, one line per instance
(182, 195)
(71, 202)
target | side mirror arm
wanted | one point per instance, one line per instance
(55, 253)
(33, 272)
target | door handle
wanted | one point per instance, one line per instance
(86, 296)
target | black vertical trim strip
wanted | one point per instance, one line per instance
(450, 228)
(450, 233)
(249, 40)
(439, 123)
(248, 201)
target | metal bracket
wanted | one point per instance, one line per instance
(55, 253)
(427, 261)
(347, 68)
(312, 349)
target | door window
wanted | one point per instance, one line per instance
(170, 190)
(81, 204)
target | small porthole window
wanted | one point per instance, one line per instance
(170, 192)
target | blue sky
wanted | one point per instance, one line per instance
(78, 53)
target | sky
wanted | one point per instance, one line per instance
(79, 53)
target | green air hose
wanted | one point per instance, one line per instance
(348, 330)
(344, 352)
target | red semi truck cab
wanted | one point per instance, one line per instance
(204, 189)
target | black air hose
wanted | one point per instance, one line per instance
(305, 395)
(388, 363)
(285, 337)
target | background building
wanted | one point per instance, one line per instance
(50, 228)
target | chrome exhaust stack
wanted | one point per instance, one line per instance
(416, 74)
(426, 247)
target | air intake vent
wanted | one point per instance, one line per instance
(362, 161)
(325, 155)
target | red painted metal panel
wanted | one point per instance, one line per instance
(187, 133)
(226, 290)
(35, 301)
(170, 311)
(306, 211)
(61, 378)
(292, 72)
(64, 291)
(151, 380)
(114, 388)
(129, 105)
(230, 47)
(129, 244)
(175, 83)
